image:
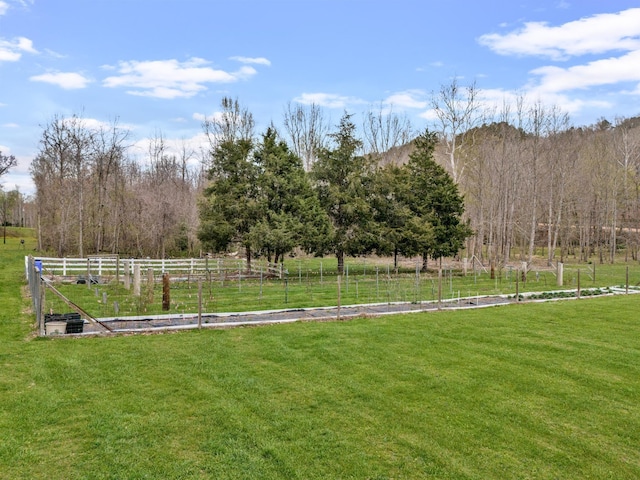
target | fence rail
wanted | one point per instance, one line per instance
(114, 266)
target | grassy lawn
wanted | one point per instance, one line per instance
(539, 391)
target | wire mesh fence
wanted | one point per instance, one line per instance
(124, 299)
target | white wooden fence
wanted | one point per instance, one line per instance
(111, 266)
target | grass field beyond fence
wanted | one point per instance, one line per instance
(538, 391)
(312, 282)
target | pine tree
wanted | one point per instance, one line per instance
(343, 182)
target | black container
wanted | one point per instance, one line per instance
(75, 323)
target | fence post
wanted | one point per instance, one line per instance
(200, 303)
(150, 281)
(339, 277)
(561, 273)
(40, 312)
(439, 287)
(136, 279)
(626, 290)
(127, 273)
(166, 292)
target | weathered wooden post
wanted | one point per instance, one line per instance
(166, 292)
(578, 289)
(560, 273)
(136, 279)
(127, 273)
(150, 280)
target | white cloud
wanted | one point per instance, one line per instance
(4, 6)
(407, 99)
(608, 71)
(256, 60)
(12, 50)
(201, 117)
(171, 78)
(54, 54)
(66, 80)
(591, 35)
(328, 100)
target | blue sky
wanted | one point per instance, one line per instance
(163, 65)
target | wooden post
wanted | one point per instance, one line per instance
(127, 273)
(560, 273)
(136, 279)
(578, 290)
(517, 285)
(150, 281)
(465, 266)
(166, 292)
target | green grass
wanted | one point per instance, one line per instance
(538, 391)
(305, 286)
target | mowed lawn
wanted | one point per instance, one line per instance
(540, 391)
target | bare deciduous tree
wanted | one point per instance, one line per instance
(232, 123)
(6, 162)
(308, 131)
(384, 132)
(457, 110)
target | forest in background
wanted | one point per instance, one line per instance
(533, 184)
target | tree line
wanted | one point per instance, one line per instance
(512, 183)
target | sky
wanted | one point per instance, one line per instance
(162, 66)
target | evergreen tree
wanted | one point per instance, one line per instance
(230, 207)
(290, 214)
(436, 229)
(343, 181)
(392, 215)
